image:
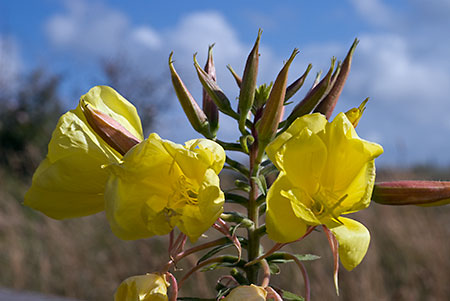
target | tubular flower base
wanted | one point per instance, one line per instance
(149, 287)
(70, 181)
(326, 170)
(160, 184)
(247, 293)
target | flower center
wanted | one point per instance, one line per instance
(184, 193)
(326, 202)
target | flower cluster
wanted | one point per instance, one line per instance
(154, 187)
(99, 160)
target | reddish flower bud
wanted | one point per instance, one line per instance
(422, 193)
(111, 131)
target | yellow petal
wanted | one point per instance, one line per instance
(301, 204)
(138, 191)
(149, 287)
(208, 151)
(347, 154)
(197, 218)
(303, 159)
(247, 293)
(70, 181)
(353, 240)
(281, 222)
(359, 192)
(149, 193)
(314, 122)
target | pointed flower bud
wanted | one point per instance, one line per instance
(237, 78)
(209, 107)
(422, 193)
(248, 87)
(111, 131)
(326, 106)
(214, 91)
(295, 86)
(312, 98)
(355, 114)
(268, 124)
(196, 116)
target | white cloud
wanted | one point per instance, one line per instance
(375, 11)
(87, 28)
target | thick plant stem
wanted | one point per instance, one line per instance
(253, 215)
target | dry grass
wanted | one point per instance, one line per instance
(407, 258)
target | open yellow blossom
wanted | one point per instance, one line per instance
(160, 184)
(247, 293)
(70, 182)
(326, 171)
(149, 287)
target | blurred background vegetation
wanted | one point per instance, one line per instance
(408, 258)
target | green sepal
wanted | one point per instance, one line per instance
(295, 86)
(214, 91)
(288, 296)
(312, 98)
(274, 268)
(217, 249)
(248, 86)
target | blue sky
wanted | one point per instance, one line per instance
(401, 62)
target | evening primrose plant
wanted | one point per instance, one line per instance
(305, 172)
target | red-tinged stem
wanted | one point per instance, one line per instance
(266, 273)
(190, 251)
(229, 278)
(272, 294)
(199, 266)
(174, 287)
(304, 273)
(334, 248)
(223, 228)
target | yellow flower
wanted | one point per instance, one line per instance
(326, 170)
(70, 182)
(160, 184)
(247, 293)
(149, 287)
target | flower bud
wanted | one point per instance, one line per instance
(295, 86)
(196, 116)
(312, 98)
(248, 293)
(149, 287)
(326, 106)
(237, 78)
(422, 193)
(111, 131)
(209, 107)
(268, 124)
(214, 91)
(248, 86)
(355, 114)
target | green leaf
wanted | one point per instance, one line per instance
(288, 296)
(261, 182)
(218, 265)
(279, 257)
(214, 251)
(274, 269)
(194, 299)
(306, 257)
(242, 185)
